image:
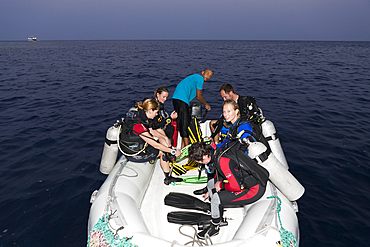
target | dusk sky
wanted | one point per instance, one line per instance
(332, 20)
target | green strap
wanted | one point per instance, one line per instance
(286, 237)
(192, 180)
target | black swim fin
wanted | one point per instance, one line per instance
(185, 201)
(188, 218)
(192, 218)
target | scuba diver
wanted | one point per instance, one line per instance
(232, 184)
(163, 119)
(140, 143)
(238, 126)
(247, 106)
(234, 178)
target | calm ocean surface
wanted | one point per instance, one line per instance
(57, 100)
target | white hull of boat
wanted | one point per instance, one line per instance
(33, 39)
(134, 194)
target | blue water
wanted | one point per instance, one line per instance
(57, 100)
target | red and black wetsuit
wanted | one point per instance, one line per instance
(237, 187)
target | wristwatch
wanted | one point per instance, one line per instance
(173, 151)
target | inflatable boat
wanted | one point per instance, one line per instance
(129, 208)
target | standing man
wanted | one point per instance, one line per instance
(186, 91)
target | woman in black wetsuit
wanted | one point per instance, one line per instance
(158, 141)
(163, 120)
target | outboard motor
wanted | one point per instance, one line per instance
(110, 150)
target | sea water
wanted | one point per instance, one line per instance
(57, 99)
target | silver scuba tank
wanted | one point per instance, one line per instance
(110, 150)
(269, 132)
(196, 110)
(279, 175)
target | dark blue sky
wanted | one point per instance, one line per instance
(342, 20)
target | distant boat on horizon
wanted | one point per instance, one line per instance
(32, 38)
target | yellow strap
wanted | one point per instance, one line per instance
(177, 169)
(192, 135)
(191, 165)
(198, 131)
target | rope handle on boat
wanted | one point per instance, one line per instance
(287, 238)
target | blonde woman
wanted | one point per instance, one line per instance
(231, 114)
(137, 135)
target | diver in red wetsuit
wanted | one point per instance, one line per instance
(231, 186)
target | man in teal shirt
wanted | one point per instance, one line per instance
(186, 91)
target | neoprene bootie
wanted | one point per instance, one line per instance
(171, 179)
(201, 191)
(212, 230)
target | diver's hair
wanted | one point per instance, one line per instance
(148, 104)
(233, 103)
(160, 90)
(227, 88)
(198, 150)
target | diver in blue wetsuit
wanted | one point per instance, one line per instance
(231, 114)
(248, 109)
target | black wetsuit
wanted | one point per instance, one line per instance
(163, 120)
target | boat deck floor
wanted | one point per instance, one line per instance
(155, 212)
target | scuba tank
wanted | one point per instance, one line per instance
(110, 150)
(279, 175)
(175, 133)
(271, 135)
(195, 110)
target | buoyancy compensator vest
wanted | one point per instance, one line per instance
(162, 119)
(130, 142)
(254, 136)
(235, 151)
(249, 111)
